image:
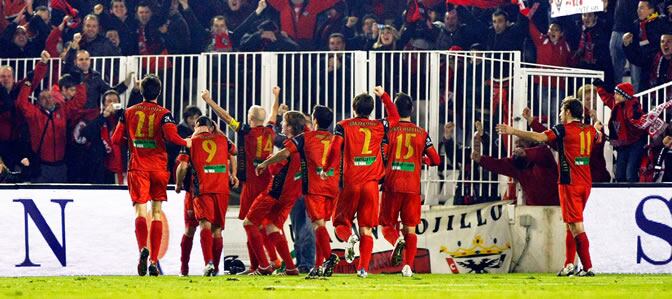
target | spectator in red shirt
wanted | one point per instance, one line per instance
(48, 124)
(532, 165)
(298, 18)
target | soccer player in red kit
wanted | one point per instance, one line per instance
(360, 139)
(319, 194)
(271, 208)
(255, 144)
(574, 142)
(212, 157)
(409, 146)
(146, 126)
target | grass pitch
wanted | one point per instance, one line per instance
(341, 286)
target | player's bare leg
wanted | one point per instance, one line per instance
(185, 245)
(279, 241)
(569, 267)
(365, 250)
(582, 248)
(155, 236)
(217, 246)
(206, 247)
(141, 236)
(411, 240)
(257, 246)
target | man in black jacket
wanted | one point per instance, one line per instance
(459, 28)
(268, 38)
(624, 12)
(93, 42)
(16, 42)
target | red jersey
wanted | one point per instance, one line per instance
(362, 149)
(408, 143)
(147, 125)
(313, 148)
(254, 146)
(286, 180)
(209, 154)
(575, 142)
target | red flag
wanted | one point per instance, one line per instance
(479, 3)
(63, 6)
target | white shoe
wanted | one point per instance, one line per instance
(362, 273)
(350, 248)
(209, 270)
(406, 271)
(568, 270)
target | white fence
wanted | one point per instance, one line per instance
(457, 87)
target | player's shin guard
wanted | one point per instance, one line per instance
(570, 249)
(280, 243)
(156, 234)
(322, 238)
(582, 246)
(270, 248)
(186, 245)
(217, 246)
(141, 232)
(206, 245)
(343, 232)
(411, 248)
(257, 244)
(365, 249)
(391, 234)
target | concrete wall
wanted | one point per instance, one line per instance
(546, 248)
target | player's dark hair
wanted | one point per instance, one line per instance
(404, 104)
(66, 81)
(574, 106)
(295, 120)
(205, 121)
(150, 88)
(500, 12)
(191, 111)
(363, 105)
(323, 115)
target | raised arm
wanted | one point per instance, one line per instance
(119, 132)
(278, 157)
(221, 112)
(276, 106)
(504, 129)
(170, 131)
(391, 109)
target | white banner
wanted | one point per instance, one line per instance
(630, 229)
(50, 232)
(561, 8)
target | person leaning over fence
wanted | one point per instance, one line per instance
(532, 165)
(625, 137)
(48, 124)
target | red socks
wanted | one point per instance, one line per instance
(141, 232)
(185, 245)
(217, 245)
(570, 249)
(411, 248)
(343, 232)
(253, 257)
(283, 249)
(322, 238)
(365, 248)
(270, 249)
(582, 246)
(206, 244)
(257, 244)
(156, 234)
(391, 234)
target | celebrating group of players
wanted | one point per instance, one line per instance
(338, 173)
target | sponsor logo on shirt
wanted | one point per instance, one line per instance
(219, 168)
(581, 161)
(365, 161)
(144, 143)
(329, 173)
(403, 166)
(297, 176)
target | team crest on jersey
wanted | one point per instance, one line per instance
(168, 118)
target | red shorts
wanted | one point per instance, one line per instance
(319, 207)
(189, 217)
(145, 186)
(212, 207)
(408, 205)
(267, 209)
(572, 201)
(247, 195)
(363, 200)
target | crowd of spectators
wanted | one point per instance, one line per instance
(66, 138)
